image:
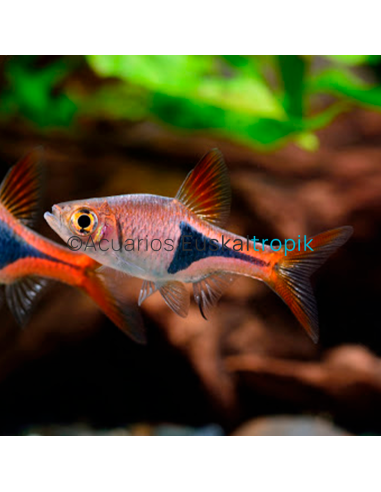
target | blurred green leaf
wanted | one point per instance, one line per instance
(262, 101)
(192, 92)
(293, 71)
(226, 95)
(354, 60)
(122, 102)
(308, 141)
(346, 84)
(197, 78)
(30, 91)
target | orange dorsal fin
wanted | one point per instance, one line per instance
(206, 189)
(20, 190)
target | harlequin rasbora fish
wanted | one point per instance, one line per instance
(28, 260)
(191, 222)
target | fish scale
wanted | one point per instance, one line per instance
(163, 228)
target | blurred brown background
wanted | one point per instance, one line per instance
(251, 360)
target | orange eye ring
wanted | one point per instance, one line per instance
(84, 222)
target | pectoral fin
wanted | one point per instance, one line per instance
(22, 296)
(208, 291)
(177, 297)
(106, 287)
(148, 288)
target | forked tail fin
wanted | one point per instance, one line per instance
(106, 292)
(290, 278)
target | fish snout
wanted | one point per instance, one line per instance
(53, 218)
(56, 210)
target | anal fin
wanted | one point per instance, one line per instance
(208, 291)
(22, 296)
(177, 297)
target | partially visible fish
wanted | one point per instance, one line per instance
(194, 249)
(28, 260)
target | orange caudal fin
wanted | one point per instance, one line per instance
(290, 278)
(105, 290)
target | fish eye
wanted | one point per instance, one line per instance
(84, 222)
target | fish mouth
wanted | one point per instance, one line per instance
(54, 218)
